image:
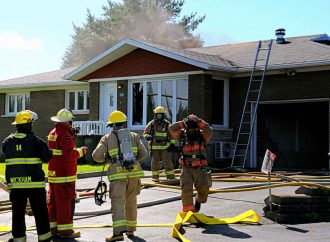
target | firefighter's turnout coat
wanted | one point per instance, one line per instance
(24, 154)
(124, 184)
(193, 160)
(62, 170)
(159, 147)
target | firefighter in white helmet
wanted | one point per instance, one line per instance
(159, 137)
(124, 173)
(62, 170)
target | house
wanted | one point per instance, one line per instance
(45, 94)
(211, 82)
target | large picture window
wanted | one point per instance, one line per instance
(17, 102)
(146, 95)
(78, 101)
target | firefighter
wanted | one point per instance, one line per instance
(62, 177)
(24, 153)
(156, 132)
(193, 134)
(124, 174)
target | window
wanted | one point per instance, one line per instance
(78, 100)
(17, 102)
(220, 102)
(146, 95)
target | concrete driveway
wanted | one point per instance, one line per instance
(219, 205)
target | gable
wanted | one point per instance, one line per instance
(138, 63)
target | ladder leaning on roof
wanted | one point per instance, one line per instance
(251, 103)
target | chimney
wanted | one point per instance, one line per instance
(280, 36)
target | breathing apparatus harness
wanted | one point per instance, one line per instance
(100, 190)
(127, 164)
(191, 133)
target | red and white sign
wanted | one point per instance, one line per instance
(268, 162)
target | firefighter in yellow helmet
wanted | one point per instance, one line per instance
(159, 137)
(24, 153)
(123, 150)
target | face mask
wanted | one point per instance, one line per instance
(159, 116)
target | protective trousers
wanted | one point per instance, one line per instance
(123, 194)
(37, 197)
(193, 176)
(60, 207)
(161, 155)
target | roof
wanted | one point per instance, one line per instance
(202, 60)
(297, 52)
(47, 79)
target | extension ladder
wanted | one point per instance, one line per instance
(251, 103)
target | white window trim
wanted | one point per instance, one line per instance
(75, 111)
(12, 114)
(159, 99)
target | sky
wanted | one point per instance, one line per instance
(34, 34)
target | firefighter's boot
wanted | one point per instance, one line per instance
(155, 178)
(197, 206)
(115, 237)
(130, 234)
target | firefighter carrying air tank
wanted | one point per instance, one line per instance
(157, 133)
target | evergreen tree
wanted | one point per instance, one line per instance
(156, 21)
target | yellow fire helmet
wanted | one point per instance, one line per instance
(23, 117)
(159, 109)
(117, 117)
(64, 115)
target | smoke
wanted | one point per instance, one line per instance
(156, 25)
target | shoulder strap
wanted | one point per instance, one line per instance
(119, 150)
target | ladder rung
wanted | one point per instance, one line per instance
(256, 90)
(245, 133)
(239, 155)
(261, 59)
(256, 80)
(246, 122)
(264, 49)
(241, 144)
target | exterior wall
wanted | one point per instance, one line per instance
(139, 63)
(94, 99)
(45, 104)
(200, 96)
(5, 122)
(304, 86)
(309, 85)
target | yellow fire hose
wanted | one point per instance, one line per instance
(182, 218)
(310, 184)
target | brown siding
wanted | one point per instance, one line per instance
(46, 104)
(200, 96)
(94, 97)
(138, 63)
(279, 87)
(5, 122)
(122, 98)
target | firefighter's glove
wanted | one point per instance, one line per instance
(100, 193)
(129, 164)
(193, 118)
(171, 148)
(149, 137)
(84, 149)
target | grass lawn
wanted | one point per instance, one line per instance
(81, 169)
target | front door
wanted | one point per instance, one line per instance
(108, 99)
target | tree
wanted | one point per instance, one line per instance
(156, 21)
